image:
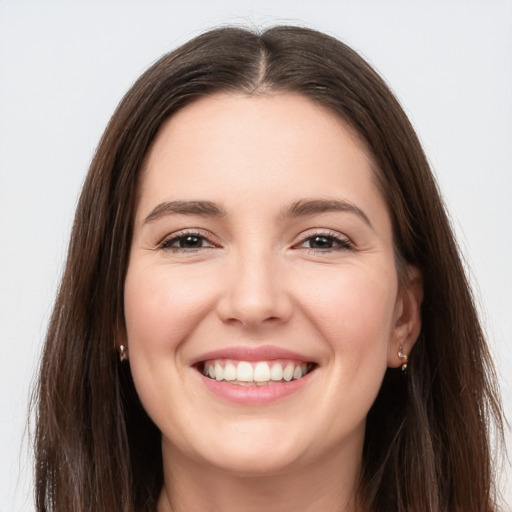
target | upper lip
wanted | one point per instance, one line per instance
(244, 353)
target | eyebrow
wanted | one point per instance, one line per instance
(301, 208)
(306, 207)
(203, 208)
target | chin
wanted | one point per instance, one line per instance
(260, 452)
(254, 463)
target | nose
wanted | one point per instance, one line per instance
(254, 292)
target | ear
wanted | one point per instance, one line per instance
(407, 319)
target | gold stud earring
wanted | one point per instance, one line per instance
(123, 354)
(403, 357)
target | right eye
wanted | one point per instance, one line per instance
(186, 242)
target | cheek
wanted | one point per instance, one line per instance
(161, 307)
(353, 309)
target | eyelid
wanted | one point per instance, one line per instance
(344, 242)
(200, 233)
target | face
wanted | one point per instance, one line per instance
(262, 301)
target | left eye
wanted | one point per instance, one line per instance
(190, 241)
(324, 242)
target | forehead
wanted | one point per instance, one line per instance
(229, 147)
(269, 119)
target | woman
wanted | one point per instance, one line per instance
(263, 305)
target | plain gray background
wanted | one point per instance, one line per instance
(64, 66)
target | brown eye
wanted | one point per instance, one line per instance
(321, 242)
(187, 241)
(190, 242)
(325, 243)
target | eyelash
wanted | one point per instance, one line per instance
(331, 237)
(167, 243)
(341, 243)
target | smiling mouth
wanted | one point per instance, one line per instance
(255, 373)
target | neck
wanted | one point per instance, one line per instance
(328, 486)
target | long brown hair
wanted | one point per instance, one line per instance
(427, 445)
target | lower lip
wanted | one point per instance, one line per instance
(254, 395)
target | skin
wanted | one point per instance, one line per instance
(257, 278)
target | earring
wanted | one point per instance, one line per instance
(123, 354)
(403, 357)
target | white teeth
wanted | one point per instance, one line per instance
(261, 372)
(258, 373)
(244, 372)
(276, 372)
(288, 372)
(230, 372)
